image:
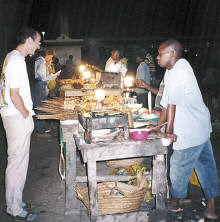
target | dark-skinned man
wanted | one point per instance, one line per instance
(188, 128)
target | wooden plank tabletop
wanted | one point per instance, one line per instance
(119, 149)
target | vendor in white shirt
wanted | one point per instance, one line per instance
(114, 64)
(43, 76)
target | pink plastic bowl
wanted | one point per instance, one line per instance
(139, 135)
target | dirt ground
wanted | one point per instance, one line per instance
(46, 190)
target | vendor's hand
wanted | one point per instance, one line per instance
(171, 137)
(151, 126)
(156, 112)
(58, 73)
(95, 68)
(140, 83)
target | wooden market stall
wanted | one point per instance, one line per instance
(80, 114)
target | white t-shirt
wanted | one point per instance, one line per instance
(16, 77)
(192, 123)
(118, 67)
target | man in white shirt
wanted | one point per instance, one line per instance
(18, 122)
(188, 127)
(114, 64)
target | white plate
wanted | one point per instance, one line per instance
(149, 116)
(134, 106)
(68, 122)
(142, 110)
(140, 124)
(144, 129)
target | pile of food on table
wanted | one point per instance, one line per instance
(100, 94)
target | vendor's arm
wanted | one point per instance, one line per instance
(156, 112)
(18, 102)
(52, 76)
(171, 109)
(95, 68)
(163, 116)
(142, 84)
(162, 119)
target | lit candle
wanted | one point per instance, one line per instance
(86, 74)
(81, 68)
(99, 94)
(128, 81)
(149, 102)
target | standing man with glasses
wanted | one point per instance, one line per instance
(18, 122)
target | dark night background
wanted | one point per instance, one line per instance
(196, 23)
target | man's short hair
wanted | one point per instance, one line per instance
(26, 33)
(50, 51)
(115, 50)
(176, 44)
(140, 54)
(41, 52)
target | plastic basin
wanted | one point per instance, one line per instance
(139, 135)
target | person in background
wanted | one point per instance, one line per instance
(30, 61)
(158, 92)
(56, 63)
(188, 128)
(52, 84)
(18, 122)
(43, 76)
(142, 73)
(125, 61)
(69, 67)
(114, 64)
(53, 68)
(150, 62)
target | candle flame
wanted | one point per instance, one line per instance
(128, 81)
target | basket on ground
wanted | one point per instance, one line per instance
(124, 163)
(116, 197)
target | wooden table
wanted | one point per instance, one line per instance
(91, 153)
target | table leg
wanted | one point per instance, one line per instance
(92, 184)
(159, 183)
(126, 132)
(71, 202)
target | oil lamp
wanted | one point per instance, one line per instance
(82, 68)
(86, 75)
(99, 96)
(128, 82)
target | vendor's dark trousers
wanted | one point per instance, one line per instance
(40, 95)
(142, 99)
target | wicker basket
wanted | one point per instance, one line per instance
(124, 163)
(115, 197)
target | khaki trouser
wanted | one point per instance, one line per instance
(18, 133)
